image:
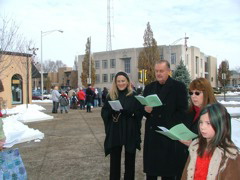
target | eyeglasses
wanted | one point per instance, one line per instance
(197, 93)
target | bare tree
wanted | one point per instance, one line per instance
(59, 64)
(224, 73)
(10, 41)
(51, 66)
(149, 54)
(75, 65)
(86, 65)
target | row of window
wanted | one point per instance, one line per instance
(104, 78)
(105, 64)
(127, 64)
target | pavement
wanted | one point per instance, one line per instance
(72, 148)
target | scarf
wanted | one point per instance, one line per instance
(197, 110)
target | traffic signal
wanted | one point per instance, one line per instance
(140, 76)
(145, 75)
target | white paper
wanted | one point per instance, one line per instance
(116, 105)
(163, 128)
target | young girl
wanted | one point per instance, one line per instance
(213, 155)
(63, 101)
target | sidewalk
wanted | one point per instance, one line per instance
(72, 148)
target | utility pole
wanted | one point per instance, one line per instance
(90, 63)
(109, 35)
(33, 53)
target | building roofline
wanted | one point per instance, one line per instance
(15, 53)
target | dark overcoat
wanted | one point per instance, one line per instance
(182, 148)
(160, 152)
(126, 131)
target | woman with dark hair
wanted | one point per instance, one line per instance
(122, 127)
(201, 94)
(213, 155)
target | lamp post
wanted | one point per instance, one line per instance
(175, 42)
(89, 80)
(42, 34)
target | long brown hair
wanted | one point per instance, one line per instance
(202, 84)
(113, 93)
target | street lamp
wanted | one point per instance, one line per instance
(42, 34)
(175, 42)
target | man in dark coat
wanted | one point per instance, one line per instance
(89, 97)
(160, 153)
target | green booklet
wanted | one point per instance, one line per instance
(178, 132)
(150, 100)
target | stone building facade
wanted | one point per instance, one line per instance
(107, 64)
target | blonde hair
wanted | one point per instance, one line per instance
(113, 93)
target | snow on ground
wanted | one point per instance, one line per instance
(17, 132)
(229, 93)
(234, 111)
(42, 101)
(229, 102)
(236, 131)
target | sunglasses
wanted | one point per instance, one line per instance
(196, 93)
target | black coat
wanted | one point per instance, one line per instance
(160, 152)
(182, 148)
(127, 130)
(89, 95)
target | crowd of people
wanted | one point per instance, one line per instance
(77, 99)
(212, 155)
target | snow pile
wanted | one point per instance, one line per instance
(229, 102)
(16, 132)
(22, 108)
(236, 131)
(233, 111)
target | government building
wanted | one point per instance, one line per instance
(108, 63)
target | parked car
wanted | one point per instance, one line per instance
(36, 96)
(230, 88)
(216, 90)
(237, 87)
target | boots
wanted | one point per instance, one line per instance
(61, 111)
(66, 111)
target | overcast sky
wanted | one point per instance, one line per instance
(211, 25)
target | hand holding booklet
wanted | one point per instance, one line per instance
(178, 132)
(115, 105)
(150, 100)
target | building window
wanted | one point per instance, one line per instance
(105, 78)
(104, 64)
(173, 58)
(112, 63)
(17, 95)
(112, 77)
(97, 64)
(196, 65)
(161, 57)
(97, 78)
(127, 65)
